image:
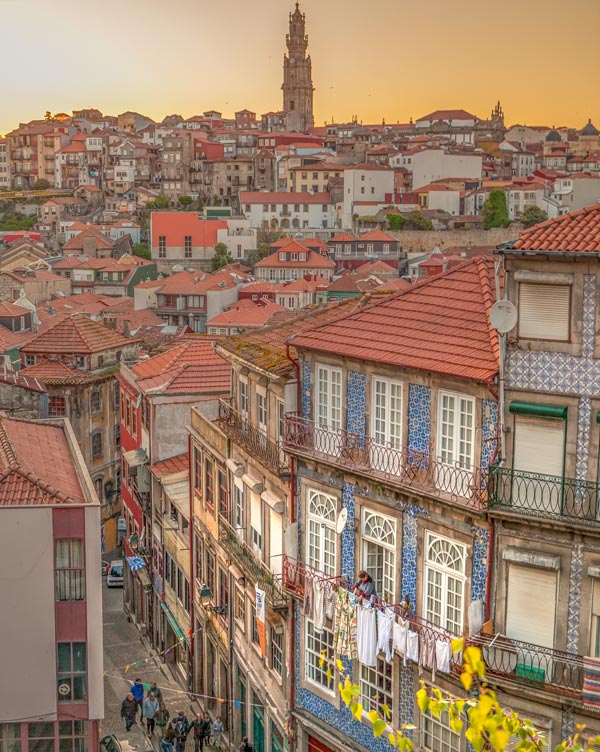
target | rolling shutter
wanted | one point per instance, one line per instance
(539, 446)
(531, 605)
(544, 311)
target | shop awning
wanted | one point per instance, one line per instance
(135, 457)
(173, 622)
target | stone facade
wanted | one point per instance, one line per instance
(297, 77)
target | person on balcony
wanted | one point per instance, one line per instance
(364, 587)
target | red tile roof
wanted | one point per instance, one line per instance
(314, 260)
(261, 197)
(378, 235)
(76, 242)
(375, 267)
(12, 311)
(54, 372)
(36, 465)
(171, 466)
(246, 315)
(343, 237)
(76, 335)
(577, 232)
(175, 226)
(191, 366)
(441, 325)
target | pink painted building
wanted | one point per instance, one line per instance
(51, 693)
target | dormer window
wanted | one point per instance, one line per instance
(282, 256)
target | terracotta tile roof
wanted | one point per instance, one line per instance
(76, 335)
(378, 235)
(246, 314)
(190, 366)
(176, 225)
(16, 378)
(11, 311)
(54, 372)
(304, 285)
(197, 283)
(343, 237)
(441, 325)
(76, 242)
(266, 348)
(36, 465)
(171, 466)
(577, 232)
(261, 197)
(374, 267)
(314, 259)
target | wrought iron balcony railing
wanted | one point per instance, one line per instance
(547, 496)
(251, 565)
(536, 666)
(403, 468)
(239, 428)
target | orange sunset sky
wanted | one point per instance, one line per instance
(374, 59)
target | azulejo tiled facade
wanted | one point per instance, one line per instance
(306, 390)
(489, 432)
(356, 405)
(348, 534)
(481, 538)
(419, 418)
(573, 616)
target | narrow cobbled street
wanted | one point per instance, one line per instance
(123, 646)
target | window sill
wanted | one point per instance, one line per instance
(329, 695)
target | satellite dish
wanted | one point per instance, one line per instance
(503, 316)
(341, 520)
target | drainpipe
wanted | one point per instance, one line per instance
(490, 555)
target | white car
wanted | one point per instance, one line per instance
(115, 574)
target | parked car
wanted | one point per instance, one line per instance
(115, 574)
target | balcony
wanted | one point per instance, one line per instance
(407, 469)
(250, 565)
(522, 663)
(548, 496)
(239, 428)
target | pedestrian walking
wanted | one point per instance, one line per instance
(181, 726)
(129, 711)
(168, 740)
(156, 690)
(197, 727)
(151, 708)
(137, 690)
(162, 716)
(217, 732)
(206, 728)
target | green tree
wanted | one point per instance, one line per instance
(142, 250)
(488, 726)
(41, 185)
(17, 221)
(495, 213)
(222, 257)
(533, 215)
(395, 222)
(159, 203)
(415, 220)
(185, 201)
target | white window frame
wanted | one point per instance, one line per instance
(314, 643)
(261, 412)
(381, 531)
(387, 405)
(451, 454)
(373, 691)
(441, 736)
(328, 408)
(243, 393)
(321, 536)
(437, 578)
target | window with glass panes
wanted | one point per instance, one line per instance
(239, 608)
(379, 552)
(386, 424)
(71, 671)
(209, 488)
(223, 493)
(210, 571)
(10, 737)
(69, 570)
(57, 406)
(376, 686)
(321, 535)
(72, 736)
(41, 736)
(329, 398)
(254, 625)
(243, 396)
(261, 412)
(197, 470)
(276, 645)
(317, 645)
(436, 734)
(456, 429)
(223, 587)
(199, 558)
(97, 445)
(239, 510)
(444, 584)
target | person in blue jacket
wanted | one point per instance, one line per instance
(137, 690)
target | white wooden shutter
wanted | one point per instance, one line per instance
(544, 311)
(275, 541)
(539, 445)
(531, 605)
(255, 512)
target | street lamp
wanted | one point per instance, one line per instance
(205, 598)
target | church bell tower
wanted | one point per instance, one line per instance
(297, 76)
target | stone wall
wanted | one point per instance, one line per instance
(414, 241)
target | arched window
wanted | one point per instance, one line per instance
(320, 532)
(443, 598)
(379, 552)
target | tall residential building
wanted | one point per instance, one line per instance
(297, 77)
(51, 637)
